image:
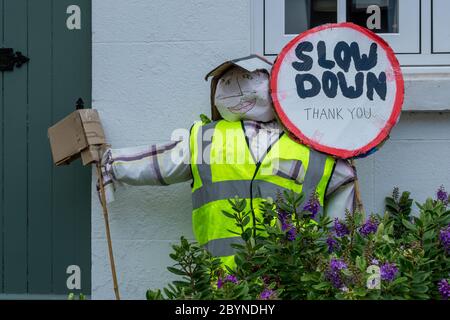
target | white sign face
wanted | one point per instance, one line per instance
(338, 88)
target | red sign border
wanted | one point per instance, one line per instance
(399, 97)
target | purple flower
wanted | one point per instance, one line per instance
(442, 195)
(444, 238)
(313, 205)
(285, 226)
(333, 274)
(388, 271)
(340, 228)
(292, 234)
(284, 219)
(228, 278)
(266, 294)
(337, 264)
(231, 278)
(444, 289)
(283, 216)
(375, 262)
(332, 244)
(370, 226)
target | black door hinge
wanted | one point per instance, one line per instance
(9, 59)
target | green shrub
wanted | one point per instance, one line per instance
(294, 253)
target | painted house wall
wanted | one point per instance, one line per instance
(149, 61)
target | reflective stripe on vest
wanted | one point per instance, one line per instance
(232, 188)
(222, 247)
(215, 183)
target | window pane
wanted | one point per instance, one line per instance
(301, 15)
(380, 16)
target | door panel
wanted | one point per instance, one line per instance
(39, 165)
(71, 193)
(2, 260)
(15, 153)
(44, 210)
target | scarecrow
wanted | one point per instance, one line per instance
(243, 152)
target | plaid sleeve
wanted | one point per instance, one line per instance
(158, 164)
(340, 194)
(343, 174)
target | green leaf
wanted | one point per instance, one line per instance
(420, 289)
(422, 296)
(233, 232)
(204, 118)
(173, 256)
(246, 221)
(181, 283)
(360, 292)
(400, 280)
(243, 291)
(176, 271)
(361, 263)
(347, 272)
(227, 214)
(321, 286)
(308, 277)
(228, 269)
(380, 230)
(388, 239)
(237, 246)
(238, 259)
(247, 234)
(259, 260)
(430, 234)
(153, 295)
(409, 225)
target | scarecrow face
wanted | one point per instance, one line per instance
(244, 95)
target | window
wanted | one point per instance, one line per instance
(380, 16)
(301, 15)
(284, 19)
(417, 30)
(398, 22)
(441, 27)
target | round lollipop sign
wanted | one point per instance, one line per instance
(338, 88)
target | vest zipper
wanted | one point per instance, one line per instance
(251, 197)
(258, 165)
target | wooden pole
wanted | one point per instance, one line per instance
(358, 198)
(108, 233)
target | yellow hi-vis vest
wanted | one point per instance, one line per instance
(223, 167)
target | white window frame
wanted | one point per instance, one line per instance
(440, 10)
(407, 41)
(427, 73)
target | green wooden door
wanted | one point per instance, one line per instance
(44, 211)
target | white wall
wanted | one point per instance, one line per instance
(149, 61)
(416, 159)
